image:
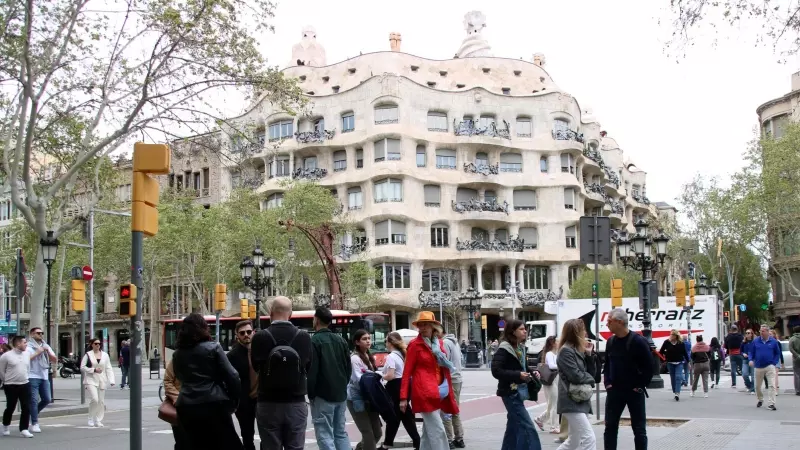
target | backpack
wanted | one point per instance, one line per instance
(716, 354)
(283, 371)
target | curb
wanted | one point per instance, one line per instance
(64, 411)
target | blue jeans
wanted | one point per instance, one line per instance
(124, 381)
(675, 377)
(747, 376)
(40, 389)
(329, 425)
(520, 433)
(737, 362)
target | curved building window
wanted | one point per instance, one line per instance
(387, 149)
(421, 156)
(529, 236)
(572, 237)
(386, 114)
(275, 200)
(510, 162)
(445, 158)
(501, 235)
(524, 200)
(339, 160)
(389, 190)
(567, 163)
(573, 274)
(543, 166)
(486, 121)
(481, 159)
(479, 234)
(560, 125)
(390, 232)
(490, 196)
(354, 198)
(535, 277)
(569, 198)
(281, 129)
(466, 194)
(348, 122)
(437, 121)
(441, 279)
(433, 195)
(524, 127)
(392, 275)
(440, 235)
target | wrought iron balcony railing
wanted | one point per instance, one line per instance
(511, 245)
(594, 188)
(482, 169)
(435, 298)
(471, 128)
(568, 135)
(309, 174)
(478, 205)
(307, 137)
(357, 247)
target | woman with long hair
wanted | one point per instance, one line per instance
(209, 387)
(393, 374)
(516, 383)
(717, 361)
(367, 421)
(427, 382)
(674, 352)
(549, 417)
(98, 374)
(576, 370)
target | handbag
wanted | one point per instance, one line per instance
(547, 374)
(167, 412)
(580, 392)
(523, 392)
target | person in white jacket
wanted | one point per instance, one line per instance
(98, 374)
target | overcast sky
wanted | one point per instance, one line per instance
(673, 116)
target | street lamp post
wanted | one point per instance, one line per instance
(49, 250)
(257, 273)
(645, 253)
(472, 351)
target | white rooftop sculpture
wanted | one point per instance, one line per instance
(474, 44)
(308, 52)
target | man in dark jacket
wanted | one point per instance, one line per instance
(628, 371)
(281, 355)
(327, 383)
(733, 347)
(239, 356)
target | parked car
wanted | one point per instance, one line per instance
(787, 355)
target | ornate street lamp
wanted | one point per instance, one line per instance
(644, 253)
(257, 274)
(471, 295)
(49, 250)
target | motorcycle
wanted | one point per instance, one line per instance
(67, 367)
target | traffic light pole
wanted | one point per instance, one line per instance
(137, 344)
(596, 301)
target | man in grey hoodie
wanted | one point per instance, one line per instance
(452, 424)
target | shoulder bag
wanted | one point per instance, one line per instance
(547, 374)
(167, 412)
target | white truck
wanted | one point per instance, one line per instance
(705, 319)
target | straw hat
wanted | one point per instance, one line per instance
(427, 317)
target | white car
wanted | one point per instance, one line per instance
(787, 355)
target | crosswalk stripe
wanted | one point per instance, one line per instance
(120, 429)
(57, 425)
(162, 432)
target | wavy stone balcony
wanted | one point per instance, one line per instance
(482, 169)
(481, 206)
(616, 207)
(308, 137)
(309, 174)
(355, 248)
(432, 299)
(512, 245)
(568, 135)
(535, 298)
(612, 176)
(595, 191)
(595, 156)
(470, 128)
(640, 198)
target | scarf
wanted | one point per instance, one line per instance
(520, 353)
(441, 358)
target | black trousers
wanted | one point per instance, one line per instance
(17, 393)
(246, 416)
(182, 441)
(406, 418)
(209, 426)
(616, 401)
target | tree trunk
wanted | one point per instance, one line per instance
(38, 291)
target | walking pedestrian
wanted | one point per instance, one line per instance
(239, 356)
(15, 365)
(576, 369)
(393, 374)
(98, 375)
(687, 367)
(367, 419)
(717, 361)
(733, 347)
(427, 381)
(210, 388)
(452, 422)
(675, 353)
(172, 388)
(327, 383)
(281, 356)
(774, 334)
(41, 358)
(124, 363)
(747, 368)
(701, 364)
(549, 418)
(794, 348)
(516, 383)
(764, 357)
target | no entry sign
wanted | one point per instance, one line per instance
(88, 273)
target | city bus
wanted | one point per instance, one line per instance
(344, 324)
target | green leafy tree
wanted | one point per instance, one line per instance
(358, 287)
(582, 287)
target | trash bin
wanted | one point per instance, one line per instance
(155, 367)
(472, 357)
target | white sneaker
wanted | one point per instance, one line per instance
(98, 424)
(6, 431)
(35, 428)
(25, 434)
(91, 422)
(705, 395)
(691, 394)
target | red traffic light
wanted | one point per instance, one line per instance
(125, 292)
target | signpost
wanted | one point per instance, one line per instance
(88, 273)
(595, 246)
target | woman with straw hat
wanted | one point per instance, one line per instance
(427, 376)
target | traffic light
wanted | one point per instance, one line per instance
(691, 293)
(127, 300)
(680, 293)
(252, 311)
(78, 296)
(616, 293)
(245, 311)
(726, 316)
(147, 159)
(220, 297)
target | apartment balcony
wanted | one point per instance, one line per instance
(316, 136)
(512, 245)
(470, 128)
(595, 156)
(397, 239)
(568, 135)
(309, 174)
(612, 176)
(357, 247)
(532, 297)
(482, 169)
(640, 198)
(595, 191)
(480, 206)
(433, 299)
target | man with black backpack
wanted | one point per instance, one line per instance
(281, 355)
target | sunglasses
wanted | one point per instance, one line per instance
(245, 332)
(38, 332)
(95, 343)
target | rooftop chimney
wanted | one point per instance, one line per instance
(394, 41)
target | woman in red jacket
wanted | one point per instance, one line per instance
(427, 375)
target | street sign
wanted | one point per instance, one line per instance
(587, 244)
(742, 307)
(88, 273)
(8, 315)
(483, 322)
(501, 323)
(764, 306)
(8, 327)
